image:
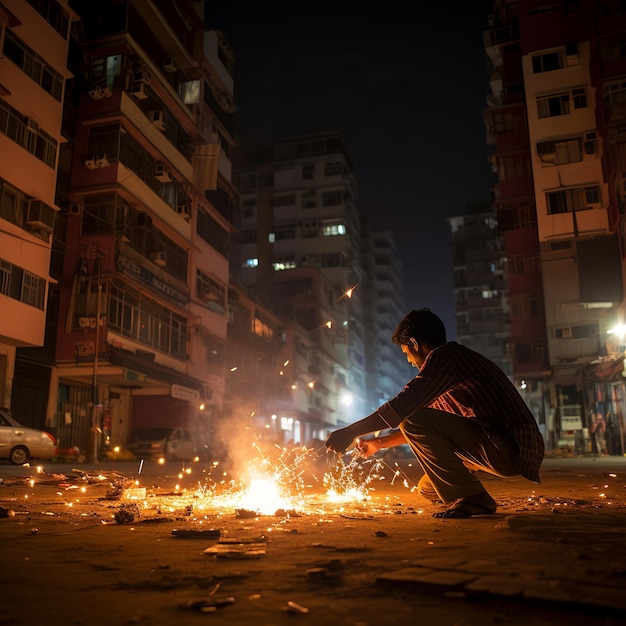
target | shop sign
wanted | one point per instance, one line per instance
(136, 376)
(185, 393)
(130, 268)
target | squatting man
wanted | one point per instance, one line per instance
(459, 415)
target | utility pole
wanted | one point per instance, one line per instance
(93, 448)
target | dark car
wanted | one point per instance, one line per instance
(170, 444)
(19, 444)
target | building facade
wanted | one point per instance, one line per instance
(142, 208)
(555, 121)
(387, 370)
(480, 284)
(300, 248)
(35, 40)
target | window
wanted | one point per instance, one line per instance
(144, 320)
(516, 216)
(552, 106)
(510, 167)
(332, 198)
(333, 168)
(548, 62)
(333, 229)
(107, 70)
(529, 352)
(284, 264)
(579, 96)
(211, 232)
(262, 329)
(310, 230)
(33, 65)
(209, 290)
(503, 123)
(54, 14)
(21, 285)
(25, 133)
(287, 231)
(308, 171)
(13, 204)
(615, 92)
(560, 152)
(525, 306)
(575, 199)
(523, 264)
(285, 200)
(582, 331)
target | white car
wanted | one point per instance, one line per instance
(20, 444)
(170, 444)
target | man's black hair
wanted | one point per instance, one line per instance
(423, 326)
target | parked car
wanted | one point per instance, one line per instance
(20, 444)
(171, 444)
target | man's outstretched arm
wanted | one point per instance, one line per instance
(341, 439)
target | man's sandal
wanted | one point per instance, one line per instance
(464, 507)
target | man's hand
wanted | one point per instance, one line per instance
(367, 447)
(339, 440)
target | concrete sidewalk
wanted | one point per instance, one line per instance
(553, 552)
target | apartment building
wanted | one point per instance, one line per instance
(144, 206)
(555, 119)
(480, 288)
(387, 370)
(300, 249)
(34, 45)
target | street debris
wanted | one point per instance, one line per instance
(235, 551)
(294, 607)
(6, 512)
(209, 605)
(126, 514)
(193, 533)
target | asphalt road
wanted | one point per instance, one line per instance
(77, 550)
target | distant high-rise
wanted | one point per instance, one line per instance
(480, 284)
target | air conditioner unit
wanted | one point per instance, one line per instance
(84, 322)
(101, 160)
(157, 118)
(161, 173)
(142, 76)
(98, 90)
(169, 64)
(139, 91)
(158, 257)
(39, 215)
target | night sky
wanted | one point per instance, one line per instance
(406, 91)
